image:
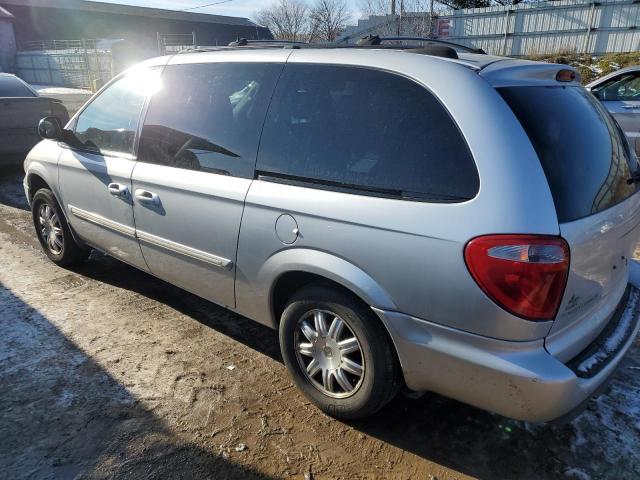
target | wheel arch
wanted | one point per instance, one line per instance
(36, 179)
(289, 270)
(347, 278)
(35, 182)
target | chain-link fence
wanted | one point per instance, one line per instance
(69, 63)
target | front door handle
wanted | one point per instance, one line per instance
(147, 197)
(118, 190)
(631, 107)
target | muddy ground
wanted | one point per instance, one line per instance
(106, 372)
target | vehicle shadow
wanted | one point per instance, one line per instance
(11, 191)
(63, 416)
(106, 269)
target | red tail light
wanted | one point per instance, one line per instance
(524, 274)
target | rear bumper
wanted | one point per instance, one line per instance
(520, 380)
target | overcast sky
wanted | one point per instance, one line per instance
(237, 8)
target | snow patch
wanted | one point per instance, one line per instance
(617, 337)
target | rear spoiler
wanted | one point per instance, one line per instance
(513, 72)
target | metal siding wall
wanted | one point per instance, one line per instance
(579, 26)
(550, 27)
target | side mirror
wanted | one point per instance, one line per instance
(49, 129)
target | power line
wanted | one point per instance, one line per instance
(207, 5)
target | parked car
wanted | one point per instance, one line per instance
(20, 111)
(405, 216)
(620, 94)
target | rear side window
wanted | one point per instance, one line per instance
(583, 153)
(366, 131)
(12, 87)
(208, 117)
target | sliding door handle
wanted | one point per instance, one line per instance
(118, 190)
(146, 197)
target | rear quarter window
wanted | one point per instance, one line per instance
(367, 131)
(12, 87)
(584, 155)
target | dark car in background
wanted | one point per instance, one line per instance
(21, 108)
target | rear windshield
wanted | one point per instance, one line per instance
(12, 87)
(583, 152)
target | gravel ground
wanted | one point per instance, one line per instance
(106, 372)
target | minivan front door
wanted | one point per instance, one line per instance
(94, 173)
(96, 191)
(195, 164)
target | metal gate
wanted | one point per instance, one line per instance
(69, 63)
(174, 42)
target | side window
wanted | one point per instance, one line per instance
(623, 87)
(109, 123)
(208, 117)
(365, 130)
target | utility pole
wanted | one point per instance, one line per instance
(393, 7)
(431, 21)
(399, 24)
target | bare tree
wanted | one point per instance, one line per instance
(376, 7)
(287, 19)
(328, 18)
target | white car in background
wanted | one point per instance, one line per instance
(620, 94)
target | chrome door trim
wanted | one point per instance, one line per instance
(102, 221)
(154, 240)
(175, 247)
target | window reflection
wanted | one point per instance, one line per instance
(208, 117)
(110, 121)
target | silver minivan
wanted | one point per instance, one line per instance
(424, 217)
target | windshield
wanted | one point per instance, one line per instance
(584, 155)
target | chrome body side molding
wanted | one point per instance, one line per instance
(102, 221)
(184, 250)
(154, 240)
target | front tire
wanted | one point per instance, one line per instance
(53, 231)
(338, 353)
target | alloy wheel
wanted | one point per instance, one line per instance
(329, 353)
(50, 229)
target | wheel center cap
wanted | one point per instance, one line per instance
(328, 352)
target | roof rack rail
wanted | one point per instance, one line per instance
(202, 49)
(377, 40)
(243, 42)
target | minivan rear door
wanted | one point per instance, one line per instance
(196, 160)
(589, 167)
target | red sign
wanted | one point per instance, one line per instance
(444, 24)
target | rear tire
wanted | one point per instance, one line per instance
(338, 353)
(53, 231)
